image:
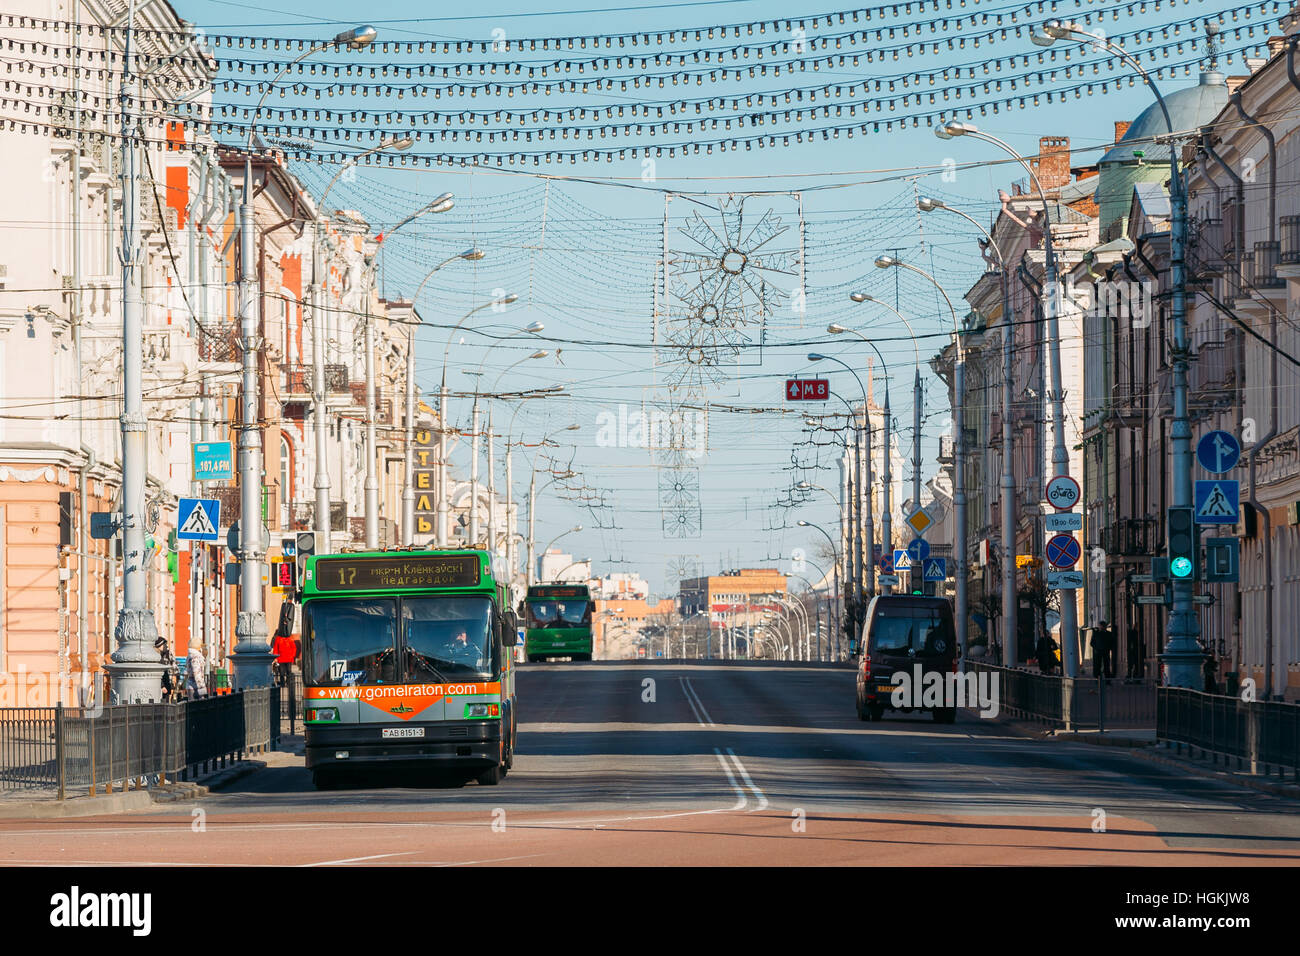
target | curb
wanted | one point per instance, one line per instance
(1151, 750)
(1155, 755)
(130, 800)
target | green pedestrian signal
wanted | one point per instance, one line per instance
(1182, 542)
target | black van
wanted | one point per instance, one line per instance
(902, 631)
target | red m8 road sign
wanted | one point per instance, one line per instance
(807, 389)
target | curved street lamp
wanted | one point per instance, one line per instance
(959, 446)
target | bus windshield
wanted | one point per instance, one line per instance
(355, 641)
(572, 612)
(446, 636)
(350, 642)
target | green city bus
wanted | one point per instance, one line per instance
(558, 622)
(406, 664)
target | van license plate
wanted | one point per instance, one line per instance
(885, 688)
(403, 732)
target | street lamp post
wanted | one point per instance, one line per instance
(1051, 305)
(492, 488)
(473, 254)
(319, 332)
(959, 448)
(1008, 480)
(444, 489)
(251, 657)
(835, 570)
(1183, 655)
(440, 204)
(853, 565)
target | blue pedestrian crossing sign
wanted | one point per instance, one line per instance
(902, 560)
(1218, 451)
(918, 550)
(1218, 501)
(197, 519)
(935, 569)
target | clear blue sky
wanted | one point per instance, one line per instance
(581, 253)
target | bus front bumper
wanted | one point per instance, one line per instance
(444, 743)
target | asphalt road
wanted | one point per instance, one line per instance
(714, 764)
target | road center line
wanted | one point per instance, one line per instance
(697, 705)
(740, 792)
(749, 782)
(358, 859)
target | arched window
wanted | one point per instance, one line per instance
(286, 480)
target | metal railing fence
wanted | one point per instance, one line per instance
(63, 750)
(1261, 736)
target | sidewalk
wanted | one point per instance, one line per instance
(44, 803)
(1142, 743)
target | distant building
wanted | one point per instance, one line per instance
(734, 597)
(621, 585)
(556, 565)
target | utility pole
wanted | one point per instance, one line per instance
(473, 475)
(251, 657)
(408, 492)
(137, 668)
(320, 408)
(372, 480)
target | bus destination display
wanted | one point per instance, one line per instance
(545, 591)
(404, 571)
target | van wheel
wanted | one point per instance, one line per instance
(945, 715)
(876, 712)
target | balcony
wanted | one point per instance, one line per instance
(1212, 374)
(1290, 229)
(1266, 259)
(1131, 538)
(298, 379)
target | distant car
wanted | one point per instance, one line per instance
(902, 631)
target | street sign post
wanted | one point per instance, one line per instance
(197, 519)
(1218, 451)
(1064, 580)
(807, 389)
(213, 461)
(918, 550)
(1218, 501)
(935, 569)
(902, 560)
(887, 564)
(104, 524)
(1064, 521)
(1063, 551)
(1063, 492)
(919, 521)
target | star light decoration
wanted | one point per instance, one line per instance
(726, 273)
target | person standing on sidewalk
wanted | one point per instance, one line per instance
(196, 672)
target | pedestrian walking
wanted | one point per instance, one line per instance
(1136, 653)
(285, 649)
(1103, 651)
(196, 673)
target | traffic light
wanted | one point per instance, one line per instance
(1182, 543)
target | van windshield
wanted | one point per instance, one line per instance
(919, 629)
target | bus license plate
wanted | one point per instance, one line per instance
(403, 732)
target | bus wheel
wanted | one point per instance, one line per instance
(492, 776)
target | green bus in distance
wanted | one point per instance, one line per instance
(558, 622)
(406, 663)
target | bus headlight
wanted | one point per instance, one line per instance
(482, 710)
(323, 714)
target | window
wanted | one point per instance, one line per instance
(446, 637)
(286, 480)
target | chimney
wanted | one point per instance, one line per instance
(1053, 165)
(1121, 127)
